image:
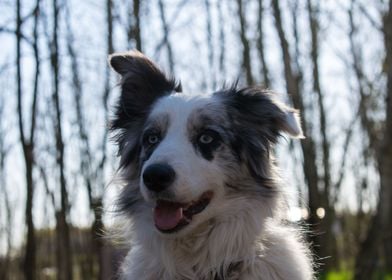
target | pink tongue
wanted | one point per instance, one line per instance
(167, 215)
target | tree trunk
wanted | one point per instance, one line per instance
(29, 263)
(30, 254)
(260, 45)
(222, 43)
(86, 162)
(210, 47)
(307, 144)
(246, 63)
(379, 236)
(364, 104)
(166, 31)
(134, 33)
(328, 245)
(385, 153)
(95, 200)
(4, 266)
(106, 91)
(64, 257)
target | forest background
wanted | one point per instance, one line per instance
(330, 59)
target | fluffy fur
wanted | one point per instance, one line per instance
(218, 144)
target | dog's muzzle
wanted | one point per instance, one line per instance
(171, 215)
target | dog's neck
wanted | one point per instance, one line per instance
(215, 249)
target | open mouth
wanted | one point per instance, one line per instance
(172, 216)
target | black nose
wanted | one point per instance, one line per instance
(158, 176)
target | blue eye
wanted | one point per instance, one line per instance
(206, 139)
(153, 139)
(207, 142)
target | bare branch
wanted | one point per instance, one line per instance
(170, 25)
(246, 64)
(166, 36)
(260, 45)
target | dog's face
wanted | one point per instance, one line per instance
(185, 157)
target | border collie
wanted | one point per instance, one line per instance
(201, 197)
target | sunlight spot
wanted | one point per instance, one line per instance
(294, 214)
(305, 213)
(320, 212)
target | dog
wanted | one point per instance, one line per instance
(202, 197)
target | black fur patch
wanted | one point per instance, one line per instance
(256, 121)
(207, 149)
(129, 200)
(158, 128)
(142, 84)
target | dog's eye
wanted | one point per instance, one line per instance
(152, 139)
(207, 142)
(206, 139)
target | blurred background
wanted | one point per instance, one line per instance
(330, 59)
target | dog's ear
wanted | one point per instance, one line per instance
(140, 76)
(142, 83)
(258, 119)
(261, 110)
(289, 120)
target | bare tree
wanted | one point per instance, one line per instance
(260, 44)
(28, 142)
(134, 29)
(385, 151)
(210, 43)
(246, 64)
(106, 91)
(95, 198)
(86, 161)
(166, 34)
(328, 245)
(310, 170)
(4, 198)
(365, 97)
(64, 257)
(222, 42)
(379, 234)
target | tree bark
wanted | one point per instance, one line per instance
(134, 30)
(166, 34)
(4, 266)
(379, 235)
(307, 144)
(246, 63)
(328, 247)
(29, 262)
(385, 153)
(222, 43)
(210, 47)
(86, 164)
(64, 255)
(260, 45)
(96, 200)
(356, 50)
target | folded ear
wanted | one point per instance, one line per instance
(289, 121)
(258, 119)
(261, 111)
(142, 84)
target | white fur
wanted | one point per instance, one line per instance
(177, 151)
(233, 228)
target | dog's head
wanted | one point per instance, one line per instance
(184, 157)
